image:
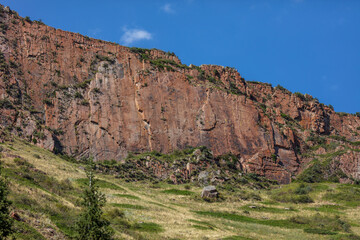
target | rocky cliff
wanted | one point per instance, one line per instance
(85, 97)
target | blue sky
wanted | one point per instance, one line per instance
(308, 46)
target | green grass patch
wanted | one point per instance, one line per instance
(321, 222)
(292, 198)
(128, 196)
(129, 206)
(348, 195)
(178, 192)
(237, 238)
(63, 217)
(23, 201)
(65, 221)
(241, 218)
(203, 224)
(319, 231)
(170, 157)
(29, 176)
(162, 205)
(345, 237)
(201, 227)
(320, 171)
(327, 208)
(257, 208)
(26, 232)
(100, 183)
(270, 202)
(293, 193)
(148, 227)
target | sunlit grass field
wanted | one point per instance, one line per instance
(46, 193)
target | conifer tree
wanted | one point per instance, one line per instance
(5, 221)
(91, 224)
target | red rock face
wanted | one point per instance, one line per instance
(87, 97)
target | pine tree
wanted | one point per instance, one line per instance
(5, 221)
(91, 224)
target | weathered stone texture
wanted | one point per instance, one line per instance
(96, 98)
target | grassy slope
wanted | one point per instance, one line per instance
(46, 192)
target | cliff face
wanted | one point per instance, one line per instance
(86, 97)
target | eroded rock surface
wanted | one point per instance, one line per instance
(85, 97)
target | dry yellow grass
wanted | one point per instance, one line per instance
(175, 214)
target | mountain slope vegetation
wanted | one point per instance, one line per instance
(46, 195)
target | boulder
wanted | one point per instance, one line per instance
(209, 192)
(203, 177)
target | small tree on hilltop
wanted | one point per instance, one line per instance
(5, 221)
(91, 224)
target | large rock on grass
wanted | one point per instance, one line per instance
(209, 192)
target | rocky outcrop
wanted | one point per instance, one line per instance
(85, 97)
(209, 192)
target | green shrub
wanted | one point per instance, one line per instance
(316, 139)
(342, 114)
(347, 194)
(105, 58)
(40, 22)
(312, 174)
(78, 95)
(234, 89)
(129, 206)
(339, 138)
(48, 102)
(91, 223)
(143, 53)
(281, 88)
(161, 64)
(96, 90)
(187, 187)
(286, 117)
(83, 84)
(303, 189)
(300, 95)
(322, 171)
(22, 162)
(85, 102)
(27, 19)
(298, 195)
(6, 222)
(247, 196)
(322, 223)
(263, 107)
(25, 231)
(6, 104)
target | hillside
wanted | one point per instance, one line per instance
(84, 97)
(46, 190)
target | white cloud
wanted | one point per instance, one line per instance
(133, 35)
(167, 8)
